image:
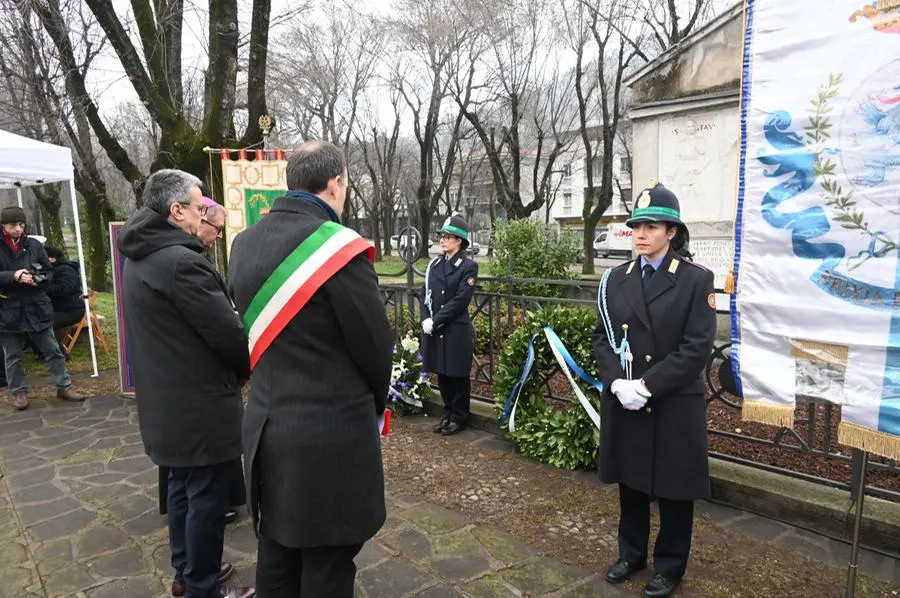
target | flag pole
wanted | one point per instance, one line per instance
(858, 498)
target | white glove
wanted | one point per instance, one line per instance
(632, 394)
(427, 325)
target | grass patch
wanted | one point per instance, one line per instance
(81, 352)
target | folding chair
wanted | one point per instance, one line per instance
(74, 331)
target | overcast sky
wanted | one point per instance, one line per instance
(110, 87)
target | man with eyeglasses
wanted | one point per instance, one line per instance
(212, 225)
(26, 311)
(190, 360)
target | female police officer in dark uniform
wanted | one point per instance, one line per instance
(656, 330)
(449, 342)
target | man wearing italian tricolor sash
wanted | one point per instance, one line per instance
(320, 352)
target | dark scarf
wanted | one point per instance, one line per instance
(317, 201)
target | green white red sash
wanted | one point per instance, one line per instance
(296, 280)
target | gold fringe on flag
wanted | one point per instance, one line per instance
(867, 439)
(772, 414)
(729, 282)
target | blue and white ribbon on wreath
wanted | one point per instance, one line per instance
(509, 409)
(567, 364)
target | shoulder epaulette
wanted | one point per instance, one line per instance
(696, 265)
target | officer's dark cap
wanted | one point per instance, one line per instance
(656, 204)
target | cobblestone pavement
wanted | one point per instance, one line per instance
(78, 518)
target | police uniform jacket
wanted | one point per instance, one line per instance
(661, 449)
(449, 348)
(311, 444)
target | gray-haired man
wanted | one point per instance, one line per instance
(190, 358)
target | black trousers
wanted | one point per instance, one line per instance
(237, 490)
(322, 572)
(673, 543)
(198, 499)
(455, 392)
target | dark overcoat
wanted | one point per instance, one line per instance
(661, 449)
(448, 349)
(24, 308)
(312, 450)
(187, 346)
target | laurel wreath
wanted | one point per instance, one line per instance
(848, 214)
(259, 198)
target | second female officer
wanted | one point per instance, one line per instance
(449, 334)
(656, 331)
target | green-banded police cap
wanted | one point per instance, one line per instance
(456, 225)
(656, 204)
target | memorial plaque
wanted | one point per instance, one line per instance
(715, 254)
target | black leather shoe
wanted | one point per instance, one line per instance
(621, 571)
(660, 586)
(439, 427)
(231, 516)
(452, 428)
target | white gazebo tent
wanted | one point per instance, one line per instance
(25, 162)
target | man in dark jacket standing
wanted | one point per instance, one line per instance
(190, 362)
(321, 356)
(26, 310)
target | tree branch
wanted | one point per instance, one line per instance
(143, 85)
(53, 23)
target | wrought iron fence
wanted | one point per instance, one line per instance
(803, 451)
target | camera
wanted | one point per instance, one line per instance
(38, 273)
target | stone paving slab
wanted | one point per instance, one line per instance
(78, 518)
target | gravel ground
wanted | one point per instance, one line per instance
(567, 516)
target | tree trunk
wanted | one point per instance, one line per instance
(587, 266)
(96, 249)
(386, 221)
(376, 233)
(51, 205)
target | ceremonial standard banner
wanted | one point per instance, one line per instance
(250, 187)
(816, 311)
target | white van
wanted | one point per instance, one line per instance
(615, 240)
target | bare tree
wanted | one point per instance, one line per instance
(430, 36)
(154, 70)
(321, 72)
(382, 160)
(526, 98)
(666, 26)
(620, 37)
(48, 89)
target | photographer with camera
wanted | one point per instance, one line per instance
(25, 309)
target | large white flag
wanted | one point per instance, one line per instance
(818, 220)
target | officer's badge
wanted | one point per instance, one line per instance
(458, 262)
(673, 266)
(470, 281)
(644, 199)
(711, 300)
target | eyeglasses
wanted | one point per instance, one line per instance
(219, 229)
(446, 236)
